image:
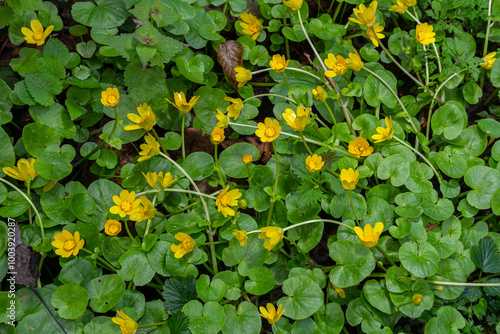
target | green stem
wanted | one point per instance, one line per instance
(440, 179)
(262, 84)
(305, 143)
(217, 168)
(129, 233)
(42, 232)
(457, 283)
(28, 191)
(352, 206)
(495, 92)
(273, 199)
(159, 141)
(310, 42)
(387, 257)
(486, 39)
(175, 190)
(317, 221)
(334, 122)
(103, 261)
(182, 138)
(156, 323)
(213, 243)
(426, 66)
(287, 46)
(149, 220)
(269, 94)
(337, 11)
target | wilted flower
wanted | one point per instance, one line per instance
(297, 121)
(185, 246)
(269, 130)
(349, 178)
(374, 33)
(269, 312)
(354, 62)
(217, 135)
(127, 324)
(146, 210)
(360, 147)
(226, 199)
(165, 181)
(273, 236)
(320, 94)
(365, 15)
(145, 120)
(424, 34)
(242, 75)
(149, 149)
(110, 97)
(339, 291)
(67, 244)
(314, 163)
(294, 5)
(279, 63)
(223, 120)
(384, 133)
(126, 204)
(24, 171)
(337, 64)
(247, 158)
(112, 227)
(251, 26)
(241, 236)
(235, 108)
(369, 237)
(36, 35)
(489, 61)
(181, 103)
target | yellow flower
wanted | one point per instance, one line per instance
(145, 120)
(349, 178)
(269, 130)
(24, 171)
(384, 133)
(181, 104)
(400, 7)
(273, 236)
(417, 299)
(297, 121)
(36, 35)
(217, 135)
(369, 237)
(314, 163)
(226, 199)
(320, 94)
(126, 204)
(165, 181)
(241, 236)
(489, 61)
(365, 15)
(360, 147)
(376, 29)
(251, 26)
(338, 65)
(149, 149)
(279, 63)
(247, 158)
(127, 324)
(242, 75)
(339, 291)
(235, 108)
(146, 211)
(223, 120)
(269, 312)
(110, 97)
(294, 5)
(185, 246)
(112, 227)
(424, 34)
(354, 62)
(67, 244)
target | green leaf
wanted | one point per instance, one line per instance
(355, 263)
(419, 259)
(178, 291)
(107, 13)
(304, 297)
(449, 270)
(357, 314)
(199, 165)
(244, 319)
(259, 56)
(341, 206)
(377, 296)
(135, 267)
(7, 156)
(403, 301)
(56, 117)
(230, 159)
(144, 84)
(484, 181)
(105, 292)
(449, 320)
(210, 291)
(70, 300)
(490, 127)
(25, 4)
(486, 256)
(449, 120)
(452, 164)
(78, 272)
(56, 202)
(375, 92)
(397, 280)
(396, 167)
(204, 319)
(330, 318)
(192, 69)
(43, 87)
(261, 281)
(86, 49)
(55, 163)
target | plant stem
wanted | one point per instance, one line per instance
(273, 199)
(317, 221)
(334, 122)
(159, 141)
(28, 190)
(486, 39)
(440, 179)
(156, 323)
(287, 46)
(305, 143)
(103, 261)
(175, 190)
(217, 167)
(269, 94)
(426, 66)
(128, 232)
(149, 220)
(387, 257)
(353, 209)
(182, 138)
(495, 92)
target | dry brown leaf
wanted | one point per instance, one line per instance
(230, 55)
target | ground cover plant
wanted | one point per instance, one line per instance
(233, 166)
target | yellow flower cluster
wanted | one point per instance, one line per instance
(424, 34)
(339, 65)
(314, 163)
(149, 149)
(112, 227)
(110, 97)
(164, 180)
(360, 147)
(137, 209)
(349, 178)
(217, 136)
(384, 133)
(366, 16)
(273, 236)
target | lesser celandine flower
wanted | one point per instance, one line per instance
(146, 210)
(314, 163)
(375, 33)
(67, 244)
(247, 158)
(337, 64)
(320, 94)
(223, 120)
(126, 204)
(149, 149)
(400, 7)
(384, 133)
(279, 63)
(235, 108)
(145, 120)
(269, 130)
(110, 97)
(354, 62)
(217, 135)
(269, 312)
(185, 246)
(369, 237)
(165, 181)
(294, 5)
(424, 34)
(24, 171)
(242, 75)
(273, 236)
(251, 25)
(112, 227)
(36, 35)
(127, 324)
(297, 121)
(365, 15)
(226, 199)
(241, 236)
(339, 291)
(181, 103)
(349, 178)
(360, 147)
(489, 60)
(417, 299)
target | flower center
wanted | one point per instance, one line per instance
(270, 132)
(313, 165)
(386, 132)
(254, 27)
(421, 36)
(361, 148)
(339, 68)
(37, 36)
(186, 244)
(113, 229)
(112, 99)
(217, 137)
(126, 206)
(69, 245)
(225, 200)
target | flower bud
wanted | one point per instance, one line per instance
(440, 288)
(243, 204)
(417, 299)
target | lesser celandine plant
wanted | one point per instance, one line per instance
(294, 166)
